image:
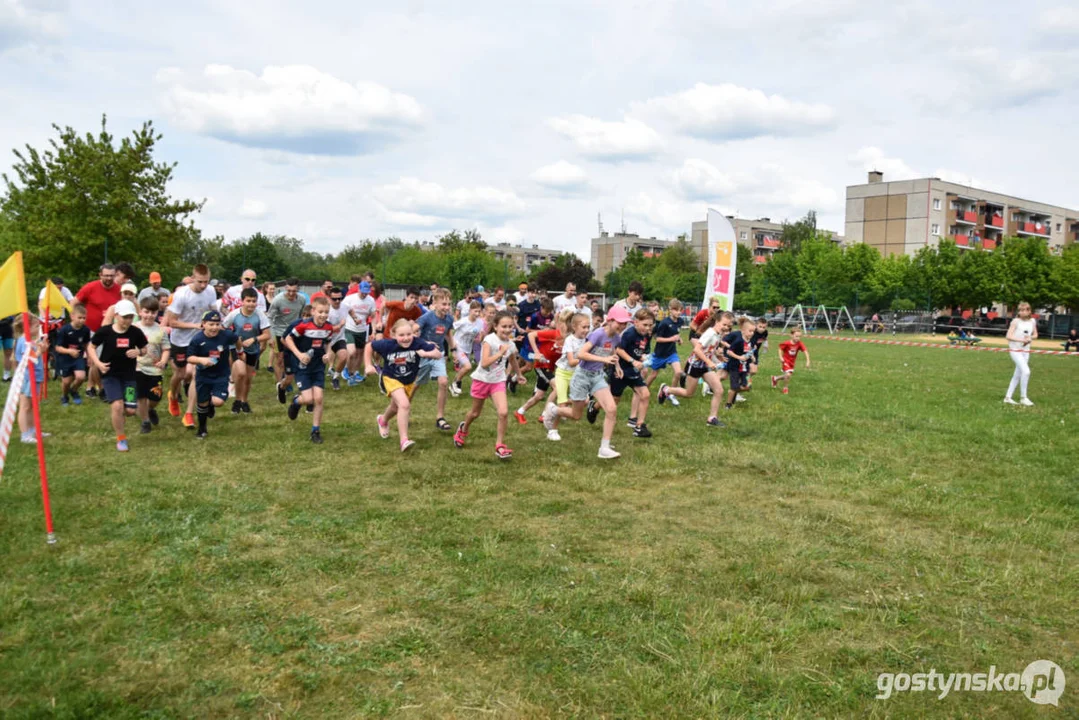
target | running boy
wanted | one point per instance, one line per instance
(632, 347)
(210, 352)
(546, 347)
(739, 354)
(361, 323)
(705, 363)
(758, 343)
(309, 344)
(465, 332)
(114, 350)
(71, 342)
(401, 355)
(788, 352)
(667, 338)
(436, 327)
(151, 366)
(252, 327)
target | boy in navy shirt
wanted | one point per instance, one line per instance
(739, 354)
(210, 351)
(757, 343)
(310, 346)
(667, 337)
(71, 342)
(436, 327)
(632, 347)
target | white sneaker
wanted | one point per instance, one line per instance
(608, 453)
(553, 436)
(705, 390)
(1026, 402)
(453, 390)
(548, 418)
(1009, 401)
(673, 400)
(29, 439)
(739, 398)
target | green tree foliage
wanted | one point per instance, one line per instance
(978, 279)
(566, 268)
(794, 234)
(257, 252)
(64, 204)
(1027, 272)
(1065, 278)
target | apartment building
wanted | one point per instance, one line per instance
(609, 250)
(761, 237)
(902, 216)
(523, 258)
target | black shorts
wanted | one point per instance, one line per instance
(67, 365)
(544, 378)
(148, 387)
(307, 379)
(628, 380)
(7, 330)
(279, 344)
(339, 346)
(206, 390)
(739, 379)
(178, 355)
(252, 360)
(696, 370)
(120, 389)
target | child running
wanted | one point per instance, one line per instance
(489, 381)
(401, 355)
(667, 337)
(788, 353)
(1022, 331)
(579, 326)
(27, 429)
(436, 327)
(309, 343)
(252, 326)
(739, 355)
(71, 342)
(705, 363)
(114, 350)
(597, 352)
(546, 347)
(758, 343)
(631, 350)
(465, 332)
(210, 352)
(151, 366)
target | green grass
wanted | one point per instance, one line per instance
(889, 515)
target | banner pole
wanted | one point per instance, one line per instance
(45, 322)
(50, 536)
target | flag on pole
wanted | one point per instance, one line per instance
(54, 300)
(722, 261)
(12, 287)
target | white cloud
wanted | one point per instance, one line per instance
(995, 79)
(25, 22)
(730, 112)
(253, 209)
(414, 203)
(700, 180)
(873, 158)
(668, 217)
(609, 141)
(562, 178)
(1060, 21)
(957, 177)
(295, 108)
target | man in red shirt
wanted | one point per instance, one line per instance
(324, 291)
(98, 296)
(408, 309)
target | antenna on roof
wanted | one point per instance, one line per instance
(623, 221)
(599, 219)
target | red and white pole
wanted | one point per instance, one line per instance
(31, 368)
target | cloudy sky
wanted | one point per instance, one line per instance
(339, 121)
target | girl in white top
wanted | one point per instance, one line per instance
(489, 381)
(705, 362)
(578, 328)
(1021, 333)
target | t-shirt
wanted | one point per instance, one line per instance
(465, 332)
(358, 309)
(400, 363)
(525, 310)
(463, 307)
(549, 343)
(788, 351)
(757, 341)
(337, 317)
(435, 330)
(21, 346)
(538, 321)
(232, 300)
(162, 295)
(710, 345)
(157, 342)
(561, 302)
(631, 309)
(245, 327)
(496, 371)
(72, 339)
(219, 346)
(603, 345)
(668, 328)
(189, 306)
(111, 348)
(97, 298)
(309, 337)
(397, 311)
(737, 346)
(283, 312)
(572, 344)
(636, 345)
(56, 314)
(582, 310)
(701, 316)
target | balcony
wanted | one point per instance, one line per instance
(962, 240)
(1033, 228)
(769, 242)
(760, 259)
(996, 221)
(988, 244)
(968, 217)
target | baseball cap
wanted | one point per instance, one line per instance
(211, 316)
(155, 277)
(479, 288)
(617, 313)
(365, 286)
(125, 308)
(129, 287)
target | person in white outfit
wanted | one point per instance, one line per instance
(1021, 333)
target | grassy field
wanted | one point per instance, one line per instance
(889, 515)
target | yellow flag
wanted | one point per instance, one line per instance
(12, 287)
(54, 300)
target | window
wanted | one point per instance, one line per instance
(1058, 227)
(935, 230)
(745, 234)
(936, 203)
(955, 205)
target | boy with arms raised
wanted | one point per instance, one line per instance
(114, 350)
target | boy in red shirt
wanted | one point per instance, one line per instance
(788, 353)
(546, 346)
(407, 309)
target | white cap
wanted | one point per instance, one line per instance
(129, 287)
(126, 307)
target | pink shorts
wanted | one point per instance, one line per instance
(482, 390)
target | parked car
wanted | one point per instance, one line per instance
(778, 320)
(908, 323)
(947, 323)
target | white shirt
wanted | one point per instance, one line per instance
(462, 308)
(582, 310)
(232, 299)
(709, 342)
(562, 302)
(631, 309)
(499, 304)
(337, 316)
(572, 344)
(359, 309)
(53, 317)
(1023, 329)
(496, 372)
(189, 307)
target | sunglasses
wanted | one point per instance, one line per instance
(249, 279)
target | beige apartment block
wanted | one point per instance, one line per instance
(609, 250)
(523, 259)
(901, 217)
(761, 237)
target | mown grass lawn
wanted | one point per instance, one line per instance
(890, 515)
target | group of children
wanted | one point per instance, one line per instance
(583, 362)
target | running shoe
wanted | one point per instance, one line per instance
(608, 453)
(521, 419)
(383, 428)
(503, 452)
(592, 412)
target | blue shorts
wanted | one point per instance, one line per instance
(585, 383)
(26, 383)
(120, 389)
(206, 390)
(67, 365)
(431, 369)
(8, 343)
(658, 363)
(307, 379)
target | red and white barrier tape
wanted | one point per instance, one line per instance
(946, 346)
(7, 420)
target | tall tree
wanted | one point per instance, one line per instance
(1027, 272)
(1065, 280)
(794, 234)
(566, 268)
(86, 198)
